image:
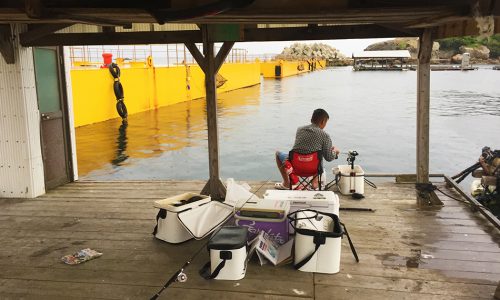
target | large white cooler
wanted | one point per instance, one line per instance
(351, 180)
(318, 241)
(168, 226)
(228, 253)
(324, 201)
(179, 220)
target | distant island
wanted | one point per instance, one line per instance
(444, 51)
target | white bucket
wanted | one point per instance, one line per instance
(351, 181)
(325, 231)
(229, 244)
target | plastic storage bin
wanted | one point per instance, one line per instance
(351, 181)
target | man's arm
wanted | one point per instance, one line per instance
(329, 152)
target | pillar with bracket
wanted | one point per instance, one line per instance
(210, 62)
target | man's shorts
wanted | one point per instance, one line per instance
(282, 156)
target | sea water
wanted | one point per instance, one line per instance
(373, 113)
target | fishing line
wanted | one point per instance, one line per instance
(179, 274)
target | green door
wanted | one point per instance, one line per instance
(54, 140)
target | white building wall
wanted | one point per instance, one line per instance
(21, 165)
(71, 115)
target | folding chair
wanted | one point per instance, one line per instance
(307, 167)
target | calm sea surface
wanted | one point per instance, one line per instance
(371, 112)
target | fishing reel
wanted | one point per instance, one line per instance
(182, 277)
(351, 156)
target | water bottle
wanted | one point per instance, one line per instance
(289, 171)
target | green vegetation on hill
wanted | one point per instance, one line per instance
(453, 44)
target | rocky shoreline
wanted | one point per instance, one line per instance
(445, 54)
(479, 54)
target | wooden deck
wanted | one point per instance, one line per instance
(406, 252)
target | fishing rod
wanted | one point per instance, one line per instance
(462, 175)
(179, 275)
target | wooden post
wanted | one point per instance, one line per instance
(210, 64)
(423, 108)
(211, 96)
(6, 44)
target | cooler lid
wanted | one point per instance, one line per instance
(229, 238)
(304, 198)
(202, 220)
(182, 202)
(264, 210)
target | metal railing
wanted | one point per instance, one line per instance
(164, 55)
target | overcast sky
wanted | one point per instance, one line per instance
(346, 47)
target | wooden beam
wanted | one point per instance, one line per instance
(222, 54)
(36, 32)
(92, 20)
(117, 38)
(463, 28)
(108, 29)
(250, 35)
(6, 44)
(326, 33)
(200, 59)
(261, 12)
(475, 204)
(423, 110)
(33, 8)
(217, 190)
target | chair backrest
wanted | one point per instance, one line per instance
(305, 165)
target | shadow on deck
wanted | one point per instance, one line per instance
(406, 252)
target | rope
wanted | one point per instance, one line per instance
(121, 108)
(429, 187)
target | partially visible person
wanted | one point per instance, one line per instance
(308, 139)
(491, 166)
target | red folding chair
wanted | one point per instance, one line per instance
(306, 167)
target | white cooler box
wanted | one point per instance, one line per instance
(324, 201)
(351, 181)
(318, 241)
(228, 254)
(180, 219)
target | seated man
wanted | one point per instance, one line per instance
(309, 138)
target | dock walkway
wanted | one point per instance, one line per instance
(406, 253)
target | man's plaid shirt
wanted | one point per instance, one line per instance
(311, 138)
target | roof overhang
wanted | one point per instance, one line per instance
(140, 22)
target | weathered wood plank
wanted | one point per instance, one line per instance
(341, 293)
(428, 287)
(450, 246)
(34, 289)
